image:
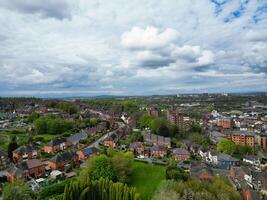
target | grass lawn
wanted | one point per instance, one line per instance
(146, 178)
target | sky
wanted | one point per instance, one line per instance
(54, 48)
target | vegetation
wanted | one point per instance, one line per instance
(146, 178)
(200, 139)
(33, 116)
(117, 167)
(11, 147)
(218, 189)
(226, 146)
(159, 126)
(18, 190)
(51, 125)
(175, 173)
(53, 190)
(102, 189)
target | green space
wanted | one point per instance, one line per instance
(146, 178)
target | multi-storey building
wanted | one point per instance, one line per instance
(175, 117)
(243, 138)
(225, 123)
(261, 140)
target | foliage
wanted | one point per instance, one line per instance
(195, 128)
(135, 136)
(11, 147)
(102, 189)
(199, 139)
(53, 190)
(158, 125)
(33, 116)
(174, 172)
(17, 190)
(69, 107)
(244, 150)
(100, 166)
(51, 125)
(226, 146)
(116, 166)
(146, 120)
(218, 189)
(122, 165)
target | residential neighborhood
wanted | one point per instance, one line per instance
(226, 144)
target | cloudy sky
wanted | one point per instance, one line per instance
(137, 47)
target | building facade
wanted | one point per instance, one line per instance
(174, 116)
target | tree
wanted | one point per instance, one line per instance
(52, 125)
(17, 190)
(164, 131)
(33, 116)
(226, 146)
(160, 126)
(145, 121)
(102, 189)
(175, 173)
(123, 166)
(217, 189)
(136, 136)
(99, 166)
(244, 150)
(11, 147)
(197, 138)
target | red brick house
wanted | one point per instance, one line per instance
(137, 148)
(59, 161)
(26, 152)
(111, 140)
(158, 151)
(56, 145)
(87, 152)
(180, 154)
(30, 168)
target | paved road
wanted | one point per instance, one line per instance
(106, 117)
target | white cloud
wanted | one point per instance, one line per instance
(136, 48)
(148, 38)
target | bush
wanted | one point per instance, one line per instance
(53, 190)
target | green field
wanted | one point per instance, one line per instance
(146, 178)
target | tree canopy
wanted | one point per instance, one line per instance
(226, 146)
(52, 125)
(117, 166)
(102, 189)
(218, 189)
(18, 190)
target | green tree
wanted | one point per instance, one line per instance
(123, 166)
(99, 166)
(33, 116)
(244, 150)
(102, 189)
(145, 121)
(135, 136)
(17, 190)
(11, 147)
(175, 173)
(52, 125)
(226, 146)
(200, 139)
